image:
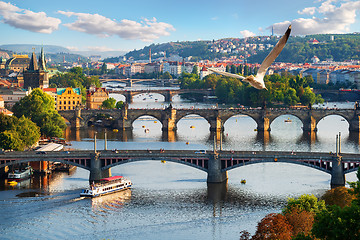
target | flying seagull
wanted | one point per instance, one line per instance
(258, 81)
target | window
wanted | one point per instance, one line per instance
(59, 102)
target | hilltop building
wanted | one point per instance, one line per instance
(36, 75)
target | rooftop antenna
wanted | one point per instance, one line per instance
(150, 55)
(95, 142)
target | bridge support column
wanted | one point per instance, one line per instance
(129, 83)
(337, 173)
(76, 122)
(263, 124)
(215, 175)
(216, 124)
(168, 119)
(168, 96)
(95, 171)
(309, 124)
(354, 124)
(123, 122)
(128, 97)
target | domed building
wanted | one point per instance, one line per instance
(17, 63)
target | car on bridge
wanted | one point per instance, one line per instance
(201, 151)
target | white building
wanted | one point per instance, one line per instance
(174, 68)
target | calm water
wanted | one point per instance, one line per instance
(172, 201)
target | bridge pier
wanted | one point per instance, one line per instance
(129, 83)
(76, 121)
(168, 96)
(309, 124)
(128, 97)
(95, 172)
(354, 124)
(215, 175)
(263, 124)
(337, 173)
(168, 120)
(216, 125)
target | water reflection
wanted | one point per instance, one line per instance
(111, 201)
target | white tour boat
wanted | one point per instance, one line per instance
(20, 174)
(106, 186)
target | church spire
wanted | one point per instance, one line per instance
(42, 61)
(33, 64)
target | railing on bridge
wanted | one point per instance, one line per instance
(215, 164)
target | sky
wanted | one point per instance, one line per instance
(118, 25)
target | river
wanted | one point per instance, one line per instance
(169, 200)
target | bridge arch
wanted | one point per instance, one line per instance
(168, 159)
(180, 120)
(10, 163)
(242, 164)
(155, 98)
(338, 123)
(139, 116)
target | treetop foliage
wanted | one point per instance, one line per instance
(286, 90)
(75, 78)
(40, 108)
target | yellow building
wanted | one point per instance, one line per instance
(95, 97)
(68, 98)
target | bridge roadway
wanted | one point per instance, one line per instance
(167, 93)
(129, 81)
(215, 165)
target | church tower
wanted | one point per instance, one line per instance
(36, 75)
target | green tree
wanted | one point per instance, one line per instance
(39, 107)
(109, 103)
(166, 75)
(119, 105)
(355, 189)
(28, 131)
(10, 140)
(104, 69)
(305, 202)
(7, 122)
(195, 70)
(75, 78)
(338, 223)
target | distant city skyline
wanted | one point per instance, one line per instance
(128, 25)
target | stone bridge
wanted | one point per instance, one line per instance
(169, 117)
(215, 164)
(129, 81)
(167, 93)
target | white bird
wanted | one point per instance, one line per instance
(258, 81)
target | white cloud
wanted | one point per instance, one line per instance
(146, 30)
(309, 10)
(327, 6)
(336, 19)
(72, 48)
(100, 49)
(247, 33)
(27, 20)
